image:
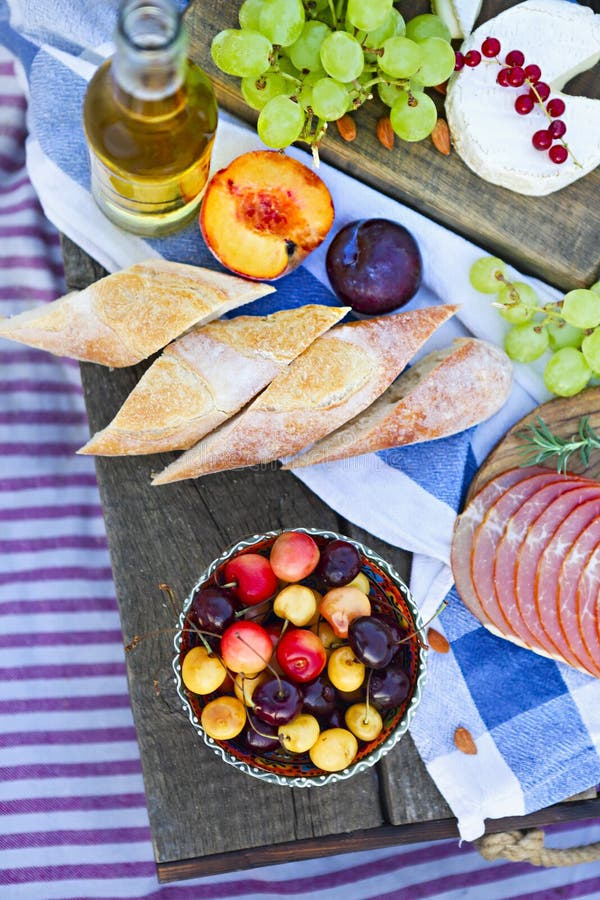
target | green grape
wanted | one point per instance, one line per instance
(249, 13)
(329, 99)
(486, 274)
(342, 56)
(581, 308)
(258, 91)
(567, 373)
(305, 52)
(368, 16)
(282, 21)
(242, 53)
(563, 335)
(287, 67)
(393, 25)
(518, 302)
(389, 93)
(590, 347)
(413, 116)
(422, 27)
(401, 57)
(280, 122)
(526, 343)
(438, 62)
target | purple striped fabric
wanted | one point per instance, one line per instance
(73, 820)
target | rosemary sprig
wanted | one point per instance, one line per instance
(541, 444)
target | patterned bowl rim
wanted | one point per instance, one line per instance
(327, 777)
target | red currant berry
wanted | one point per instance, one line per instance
(557, 128)
(533, 74)
(490, 47)
(459, 61)
(515, 58)
(502, 77)
(540, 92)
(556, 107)
(516, 76)
(524, 104)
(558, 154)
(541, 140)
(472, 58)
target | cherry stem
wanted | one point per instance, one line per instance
(368, 708)
(262, 733)
(417, 633)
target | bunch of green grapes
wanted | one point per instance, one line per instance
(304, 63)
(568, 329)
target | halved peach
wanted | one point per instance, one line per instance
(264, 213)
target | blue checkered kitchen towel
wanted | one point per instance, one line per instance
(536, 723)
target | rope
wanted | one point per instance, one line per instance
(528, 846)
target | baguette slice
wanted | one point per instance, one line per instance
(445, 392)
(206, 376)
(340, 374)
(125, 317)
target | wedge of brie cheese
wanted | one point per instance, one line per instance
(563, 39)
(459, 15)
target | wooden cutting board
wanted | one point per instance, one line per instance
(554, 237)
(562, 416)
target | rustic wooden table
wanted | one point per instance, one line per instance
(206, 817)
(203, 814)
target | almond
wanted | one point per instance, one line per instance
(437, 641)
(464, 742)
(441, 137)
(346, 127)
(385, 132)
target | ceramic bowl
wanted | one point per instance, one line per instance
(388, 593)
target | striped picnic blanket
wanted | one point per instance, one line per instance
(73, 821)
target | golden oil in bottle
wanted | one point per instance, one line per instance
(150, 117)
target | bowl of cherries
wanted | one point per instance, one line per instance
(299, 657)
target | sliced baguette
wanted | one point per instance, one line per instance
(125, 317)
(206, 376)
(339, 375)
(446, 392)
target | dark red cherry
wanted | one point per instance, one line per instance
(372, 641)
(319, 697)
(389, 687)
(213, 609)
(340, 563)
(260, 736)
(277, 701)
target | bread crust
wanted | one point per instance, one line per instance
(444, 393)
(124, 318)
(206, 376)
(340, 374)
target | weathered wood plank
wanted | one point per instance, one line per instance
(554, 237)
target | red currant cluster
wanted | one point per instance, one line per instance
(514, 73)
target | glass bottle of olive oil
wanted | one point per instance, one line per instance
(150, 117)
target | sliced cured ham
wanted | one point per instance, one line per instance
(526, 561)
(588, 589)
(561, 564)
(464, 531)
(515, 563)
(574, 564)
(545, 567)
(486, 538)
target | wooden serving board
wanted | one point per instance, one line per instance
(553, 237)
(562, 416)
